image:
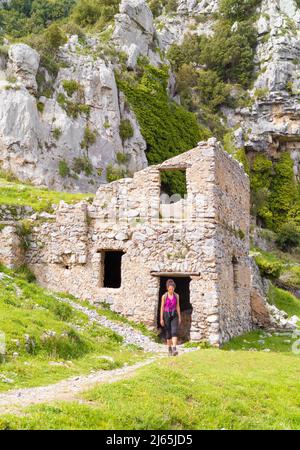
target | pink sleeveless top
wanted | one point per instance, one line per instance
(170, 303)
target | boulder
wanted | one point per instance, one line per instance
(23, 63)
(134, 31)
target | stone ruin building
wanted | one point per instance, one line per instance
(121, 248)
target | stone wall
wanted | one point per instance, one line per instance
(11, 253)
(232, 201)
(208, 226)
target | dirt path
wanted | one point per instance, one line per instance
(130, 334)
(14, 401)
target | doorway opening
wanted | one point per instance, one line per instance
(186, 308)
(112, 268)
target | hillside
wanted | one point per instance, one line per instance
(50, 337)
(99, 101)
(46, 339)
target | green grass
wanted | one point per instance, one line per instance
(205, 389)
(259, 340)
(47, 340)
(284, 300)
(103, 309)
(285, 266)
(20, 194)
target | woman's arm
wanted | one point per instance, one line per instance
(162, 311)
(178, 308)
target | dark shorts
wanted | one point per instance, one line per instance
(171, 324)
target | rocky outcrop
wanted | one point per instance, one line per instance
(190, 16)
(23, 64)
(265, 315)
(134, 32)
(38, 136)
(271, 121)
(79, 126)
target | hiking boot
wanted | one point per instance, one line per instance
(175, 351)
(170, 351)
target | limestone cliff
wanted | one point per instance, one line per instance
(68, 139)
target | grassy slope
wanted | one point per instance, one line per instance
(230, 388)
(21, 194)
(27, 309)
(289, 264)
(206, 389)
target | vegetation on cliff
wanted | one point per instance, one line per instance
(166, 126)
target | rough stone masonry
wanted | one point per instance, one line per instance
(120, 248)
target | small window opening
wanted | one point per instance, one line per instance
(235, 271)
(173, 185)
(112, 268)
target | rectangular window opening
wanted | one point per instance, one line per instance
(112, 262)
(235, 267)
(173, 185)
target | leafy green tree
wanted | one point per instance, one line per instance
(288, 237)
(237, 10)
(90, 12)
(231, 53)
(211, 90)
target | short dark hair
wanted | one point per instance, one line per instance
(170, 282)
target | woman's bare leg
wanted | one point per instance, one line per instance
(174, 341)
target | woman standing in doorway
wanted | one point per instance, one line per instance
(170, 316)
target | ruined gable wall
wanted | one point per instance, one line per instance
(232, 192)
(67, 254)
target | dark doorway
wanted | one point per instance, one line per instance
(183, 289)
(112, 269)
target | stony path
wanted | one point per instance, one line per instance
(130, 334)
(66, 390)
(13, 401)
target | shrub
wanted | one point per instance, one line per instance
(19, 18)
(159, 6)
(237, 10)
(54, 37)
(274, 190)
(63, 311)
(211, 90)
(114, 173)
(167, 127)
(189, 52)
(90, 12)
(72, 28)
(63, 168)
(126, 130)
(89, 138)
(57, 132)
(68, 345)
(40, 106)
(24, 229)
(70, 86)
(73, 109)
(122, 158)
(82, 164)
(24, 272)
(271, 269)
(47, 44)
(288, 237)
(231, 53)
